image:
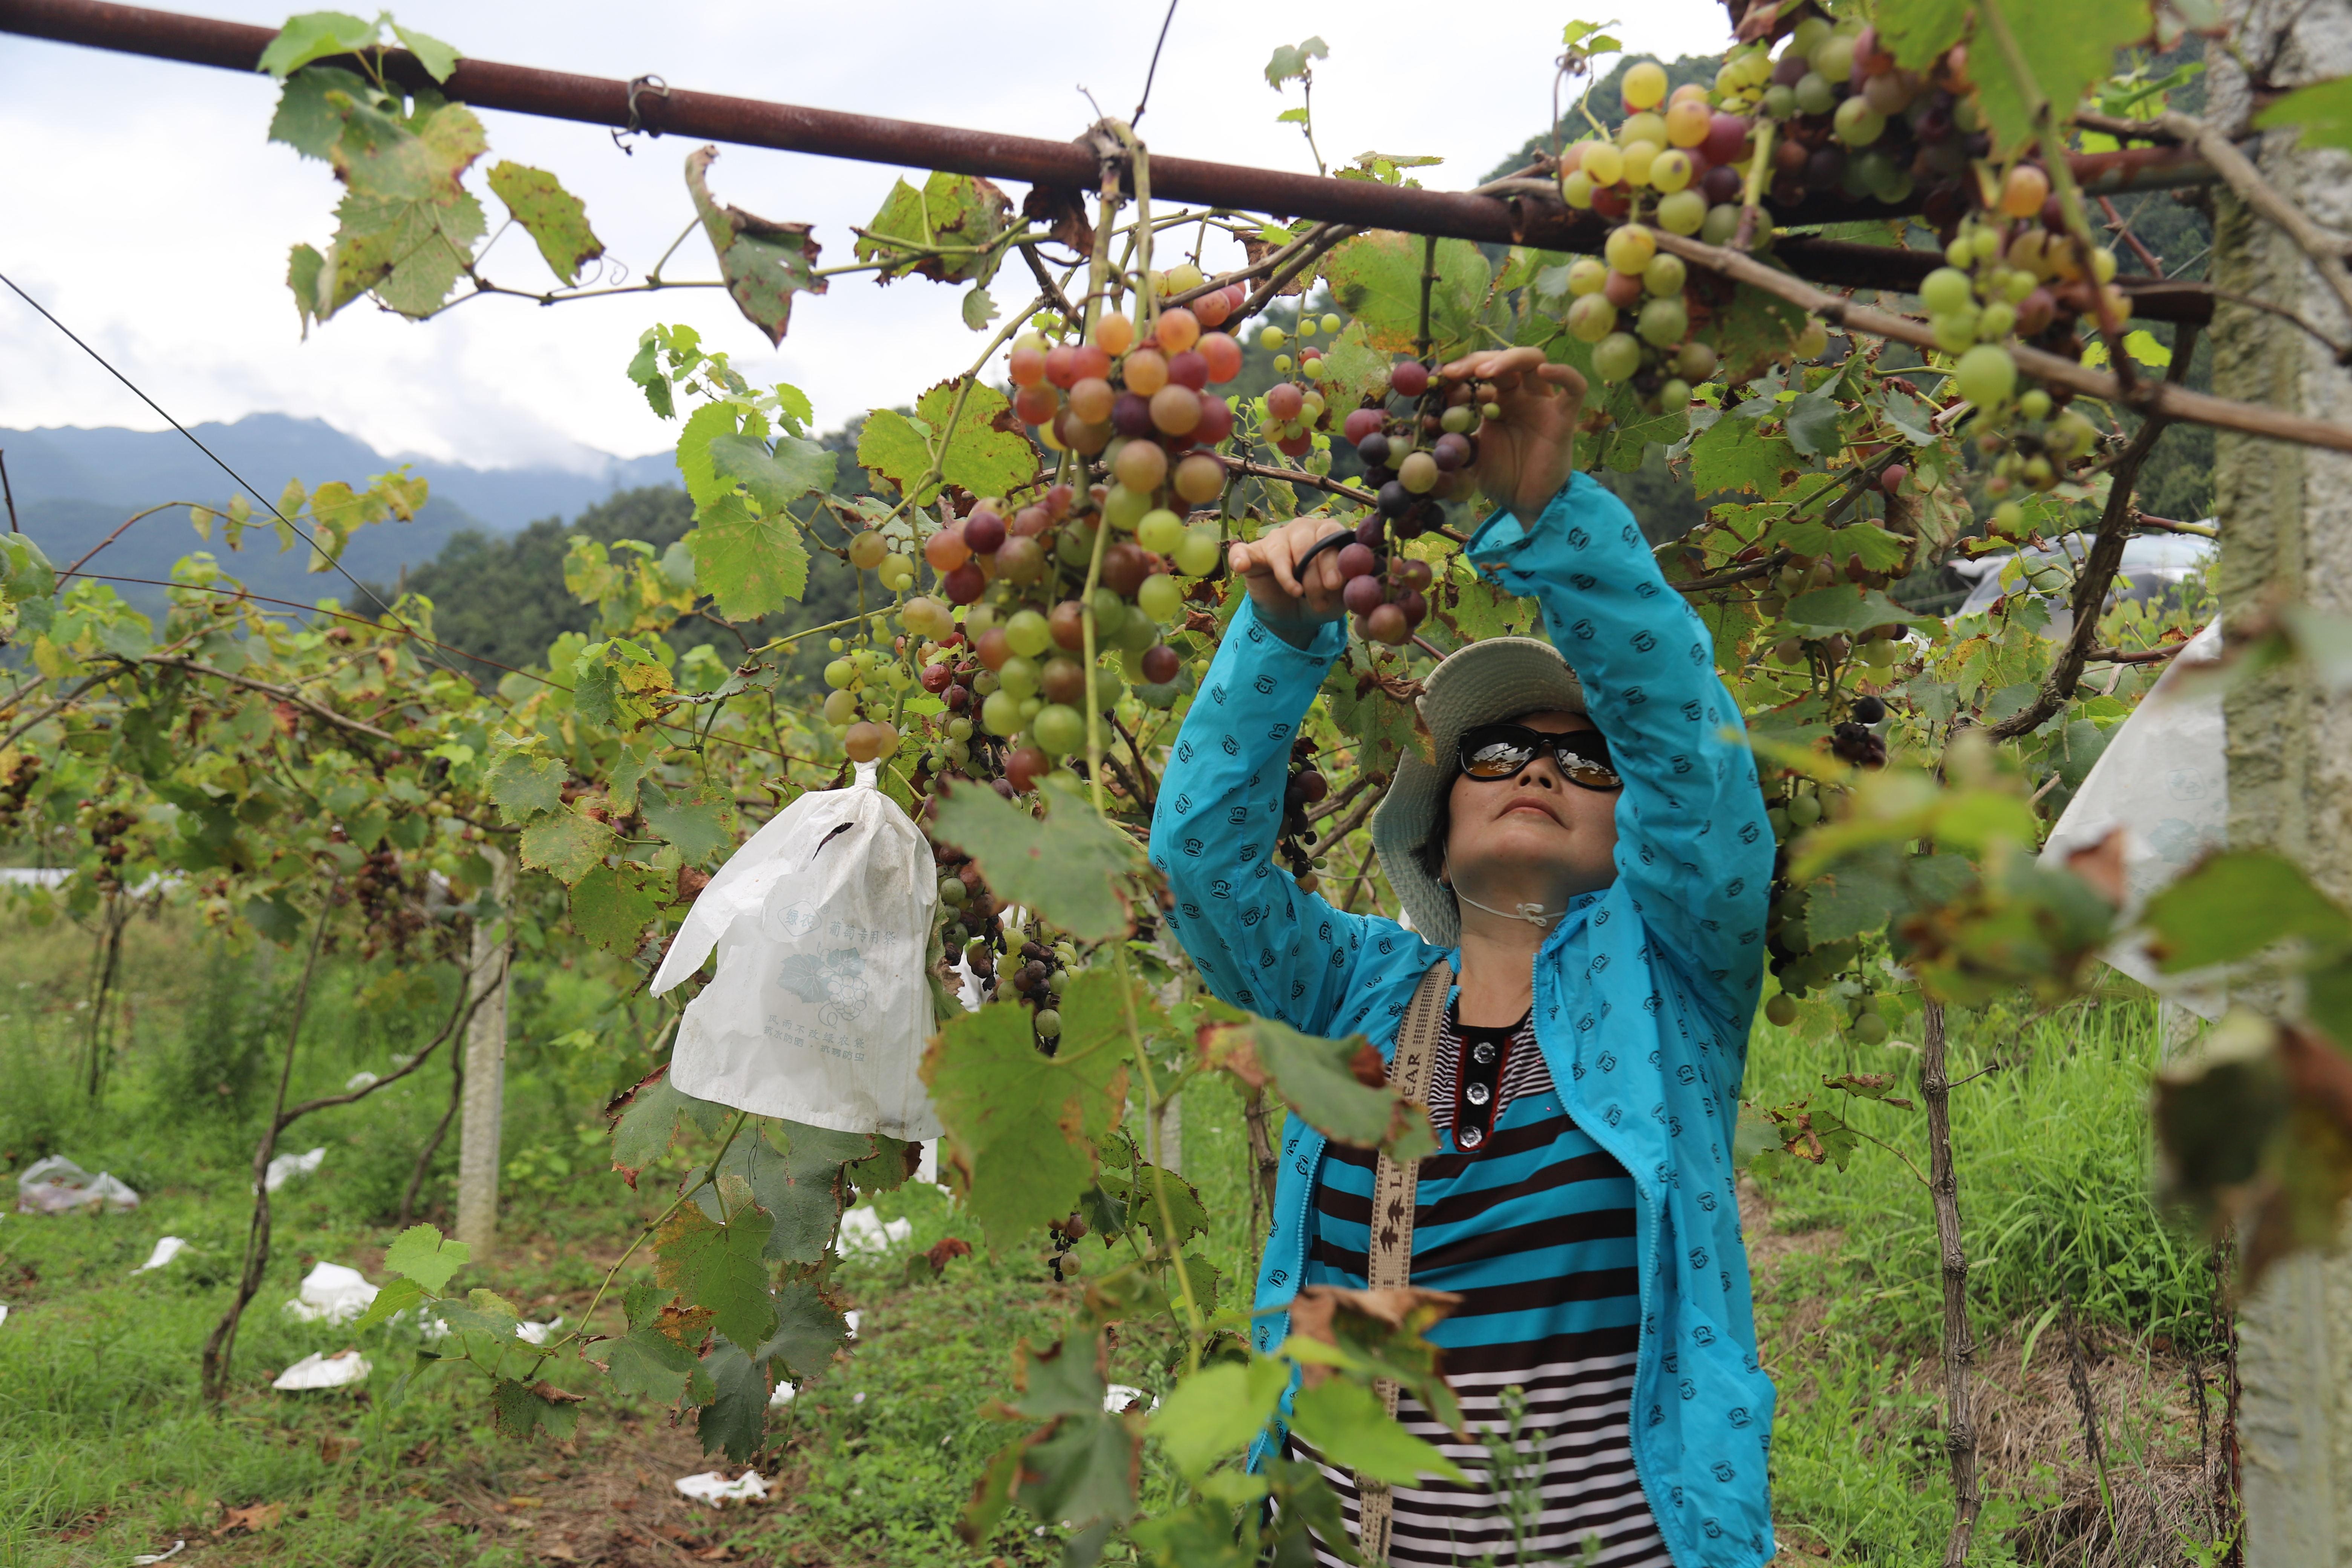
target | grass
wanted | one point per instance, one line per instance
(106, 1451)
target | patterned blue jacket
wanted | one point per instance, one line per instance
(1643, 993)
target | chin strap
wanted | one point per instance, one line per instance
(1534, 914)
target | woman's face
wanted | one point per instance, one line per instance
(1534, 833)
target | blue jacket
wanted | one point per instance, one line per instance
(1643, 993)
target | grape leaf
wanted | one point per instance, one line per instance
(700, 821)
(986, 452)
(396, 1297)
(1071, 868)
(956, 210)
(1083, 1470)
(405, 227)
(524, 783)
(1630, 441)
(2066, 44)
(979, 309)
(1218, 1410)
(566, 844)
(795, 1172)
(764, 263)
(1916, 31)
(613, 905)
(1812, 423)
(720, 1266)
(314, 35)
(1842, 608)
(2321, 111)
(524, 1410)
(1382, 727)
(648, 1363)
(556, 220)
(737, 1415)
(753, 566)
(1317, 1078)
(1349, 1426)
(1021, 1125)
(1752, 331)
(645, 1122)
(1352, 369)
(306, 120)
(773, 478)
(1376, 279)
(437, 58)
(620, 684)
(809, 1329)
(1734, 456)
(1859, 896)
(1290, 61)
(2236, 904)
(422, 1254)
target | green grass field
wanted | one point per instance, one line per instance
(106, 1449)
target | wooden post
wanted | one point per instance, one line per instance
(2286, 536)
(486, 1066)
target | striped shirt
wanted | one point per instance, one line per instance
(1527, 1220)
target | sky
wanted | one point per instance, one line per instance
(145, 207)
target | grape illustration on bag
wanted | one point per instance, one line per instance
(819, 1011)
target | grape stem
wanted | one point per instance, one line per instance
(1751, 201)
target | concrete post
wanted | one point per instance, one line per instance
(2286, 534)
(486, 1067)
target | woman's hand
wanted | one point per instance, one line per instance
(1524, 457)
(1268, 566)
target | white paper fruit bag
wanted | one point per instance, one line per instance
(820, 1010)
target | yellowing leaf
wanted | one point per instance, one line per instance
(556, 220)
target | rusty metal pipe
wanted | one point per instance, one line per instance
(752, 122)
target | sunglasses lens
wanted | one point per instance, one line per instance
(1489, 756)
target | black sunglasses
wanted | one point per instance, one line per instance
(1498, 752)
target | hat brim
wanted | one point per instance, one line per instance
(1485, 683)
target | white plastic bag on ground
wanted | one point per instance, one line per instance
(2164, 780)
(165, 1251)
(332, 1294)
(58, 1185)
(821, 1008)
(286, 1167)
(716, 1490)
(315, 1371)
(862, 1230)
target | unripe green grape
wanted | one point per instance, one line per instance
(1675, 393)
(1664, 275)
(1630, 248)
(1282, 363)
(1110, 614)
(1780, 101)
(2071, 436)
(836, 643)
(1059, 729)
(1808, 35)
(1457, 419)
(1997, 320)
(1694, 361)
(1812, 343)
(1019, 678)
(958, 728)
(1331, 322)
(1722, 223)
(1160, 531)
(1686, 212)
(1138, 631)
(1162, 597)
(1198, 556)
(1029, 707)
(1986, 242)
(2015, 285)
(1490, 411)
(2034, 405)
(1028, 633)
(983, 683)
(1664, 321)
(1314, 369)
(1643, 126)
(1616, 357)
(1126, 508)
(958, 752)
(1961, 253)
(1815, 95)
(1586, 275)
(840, 707)
(1306, 325)
(1592, 318)
(839, 674)
(1986, 375)
(1576, 189)
(1272, 339)
(2008, 519)
(1418, 473)
(1834, 58)
(1858, 124)
(1729, 78)
(1956, 331)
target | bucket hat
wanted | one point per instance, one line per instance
(1487, 682)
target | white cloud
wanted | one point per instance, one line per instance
(149, 213)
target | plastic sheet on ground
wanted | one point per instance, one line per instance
(286, 1167)
(1119, 1395)
(852, 1318)
(332, 1294)
(316, 1371)
(862, 1230)
(716, 1490)
(784, 1394)
(359, 1080)
(148, 1558)
(58, 1185)
(3, 1312)
(166, 1250)
(2164, 781)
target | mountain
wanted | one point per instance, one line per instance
(72, 487)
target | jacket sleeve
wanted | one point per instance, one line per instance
(1259, 940)
(1692, 850)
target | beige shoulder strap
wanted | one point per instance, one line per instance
(1394, 1189)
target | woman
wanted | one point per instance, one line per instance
(1590, 856)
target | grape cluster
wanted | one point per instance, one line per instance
(391, 906)
(1294, 419)
(1304, 787)
(109, 828)
(16, 789)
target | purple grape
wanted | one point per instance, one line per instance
(1356, 561)
(1374, 448)
(1370, 533)
(1719, 184)
(1131, 415)
(1452, 452)
(1826, 167)
(1415, 606)
(1394, 499)
(1363, 594)
(1790, 70)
